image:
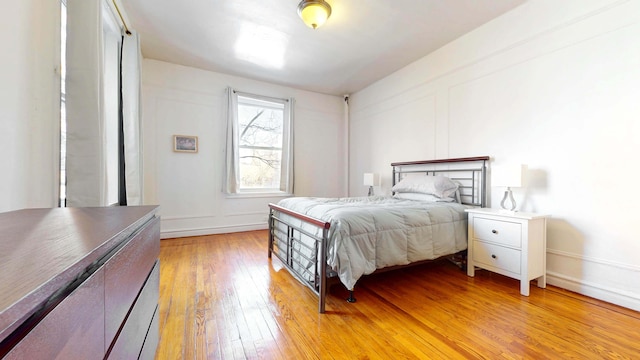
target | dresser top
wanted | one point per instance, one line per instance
(43, 250)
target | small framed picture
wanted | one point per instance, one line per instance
(185, 143)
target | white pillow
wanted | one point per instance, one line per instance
(440, 186)
(422, 197)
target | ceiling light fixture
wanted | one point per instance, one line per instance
(314, 12)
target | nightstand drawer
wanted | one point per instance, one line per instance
(497, 256)
(499, 232)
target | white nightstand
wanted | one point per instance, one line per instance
(511, 244)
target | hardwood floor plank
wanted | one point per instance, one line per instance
(202, 301)
(222, 298)
(173, 313)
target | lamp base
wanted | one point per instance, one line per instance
(508, 195)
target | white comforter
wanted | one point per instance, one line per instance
(370, 233)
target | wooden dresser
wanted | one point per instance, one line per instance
(79, 283)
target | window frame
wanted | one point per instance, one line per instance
(285, 185)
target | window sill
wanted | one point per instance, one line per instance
(250, 195)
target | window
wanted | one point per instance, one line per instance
(259, 142)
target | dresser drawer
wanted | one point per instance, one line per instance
(74, 329)
(136, 329)
(499, 232)
(126, 273)
(497, 256)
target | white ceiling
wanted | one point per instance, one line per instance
(363, 40)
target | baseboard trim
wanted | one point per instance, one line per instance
(593, 290)
(211, 230)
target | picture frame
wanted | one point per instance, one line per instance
(185, 143)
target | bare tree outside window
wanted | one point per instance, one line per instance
(261, 127)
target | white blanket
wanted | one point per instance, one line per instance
(371, 233)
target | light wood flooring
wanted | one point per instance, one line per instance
(222, 298)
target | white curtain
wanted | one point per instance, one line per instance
(90, 142)
(232, 173)
(85, 160)
(286, 170)
(346, 145)
(131, 117)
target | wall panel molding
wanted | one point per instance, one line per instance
(423, 91)
(504, 50)
(591, 259)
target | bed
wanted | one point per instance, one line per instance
(319, 240)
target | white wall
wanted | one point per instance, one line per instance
(29, 104)
(188, 101)
(553, 85)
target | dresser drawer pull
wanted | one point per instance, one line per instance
(493, 256)
(494, 231)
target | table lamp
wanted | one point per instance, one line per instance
(371, 180)
(507, 176)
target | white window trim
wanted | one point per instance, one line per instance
(231, 183)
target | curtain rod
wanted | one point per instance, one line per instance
(126, 29)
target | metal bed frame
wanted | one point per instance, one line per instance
(470, 173)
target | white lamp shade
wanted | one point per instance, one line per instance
(371, 179)
(507, 175)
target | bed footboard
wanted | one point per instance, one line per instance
(291, 241)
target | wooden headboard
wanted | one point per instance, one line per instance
(470, 173)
